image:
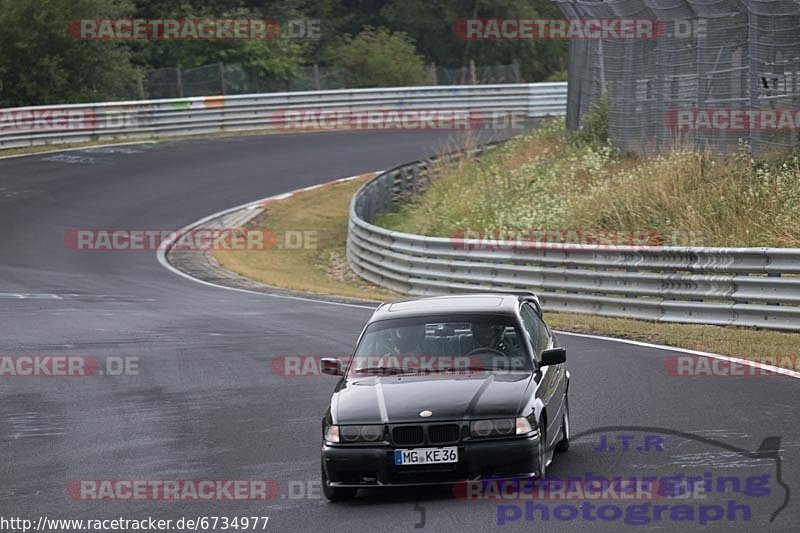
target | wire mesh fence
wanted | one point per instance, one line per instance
(715, 74)
(220, 79)
(472, 75)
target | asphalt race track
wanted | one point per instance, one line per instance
(206, 403)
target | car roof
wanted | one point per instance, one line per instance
(477, 303)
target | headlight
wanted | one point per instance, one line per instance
(523, 426)
(504, 427)
(332, 434)
(481, 428)
(348, 434)
(500, 427)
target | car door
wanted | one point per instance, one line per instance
(552, 380)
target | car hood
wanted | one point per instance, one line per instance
(398, 399)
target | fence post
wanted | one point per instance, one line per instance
(434, 77)
(180, 81)
(222, 77)
(140, 87)
(317, 81)
(473, 75)
(516, 71)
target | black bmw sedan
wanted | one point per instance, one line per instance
(445, 389)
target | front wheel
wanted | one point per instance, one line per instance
(336, 494)
(563, 444)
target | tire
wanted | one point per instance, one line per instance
(563, 444)
(336, 494)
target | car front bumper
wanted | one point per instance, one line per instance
(359, 466)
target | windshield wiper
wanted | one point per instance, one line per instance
(390, 370)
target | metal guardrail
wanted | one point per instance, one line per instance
(724, 286)
(31, 126)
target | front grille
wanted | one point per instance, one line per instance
(407, 435)
(443, 434)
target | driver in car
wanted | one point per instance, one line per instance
(488, 336)
(489, 341)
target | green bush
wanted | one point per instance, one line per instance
(559, 75)
(594, 124)
(378, 58)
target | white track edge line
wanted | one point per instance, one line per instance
(165, 246)
(771, 368)
(75, 149)
(161, 254)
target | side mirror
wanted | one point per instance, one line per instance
(330, 366)
(554, 356)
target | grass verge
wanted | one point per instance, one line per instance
(323, 269)
(320, 264)
(548, 181)
(746, 343)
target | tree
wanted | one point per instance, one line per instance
(275, 59)
(378, 58)
(41, 64)
(429, 23)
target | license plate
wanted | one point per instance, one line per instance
(426, 456)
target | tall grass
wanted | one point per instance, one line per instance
(547, 180)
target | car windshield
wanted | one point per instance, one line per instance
(433, 345)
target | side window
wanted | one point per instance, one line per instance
(535, 328)
(544, 333)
